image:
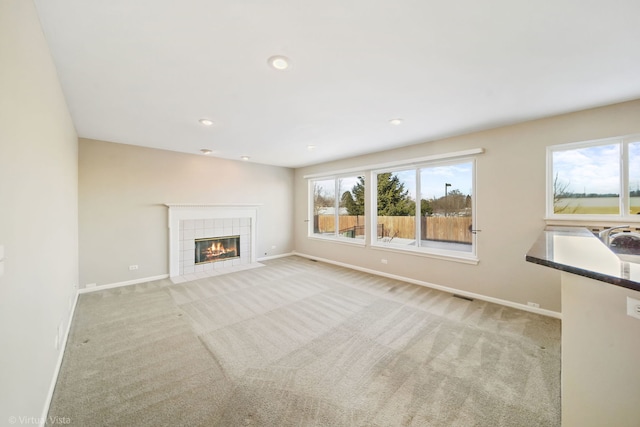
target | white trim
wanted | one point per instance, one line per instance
(446, 289)
(591, 220)
(632, 137)
(342, 240)
(624, 199)
(56, 372)
(581, 218)
(267, 258)
(416, 161)
(311, 208)
(450, 255)
(212, 205)
(442, 254)
(120, 284)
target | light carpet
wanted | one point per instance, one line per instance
(303, 343)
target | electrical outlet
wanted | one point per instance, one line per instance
(133, 267)
(633, 307)
(384, 261)
(533, 304)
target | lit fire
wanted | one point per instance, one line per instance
(217, 249)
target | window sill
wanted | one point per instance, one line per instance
(341, 240)
(583, 220)
(435, 254)
(441, 255)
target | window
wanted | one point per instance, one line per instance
(338, 207)
(423, 206)
(442, 224)
(634, 177)
(599, 179)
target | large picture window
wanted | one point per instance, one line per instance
(338, 207)
(599, 179)
(427, 208)
(423, 206)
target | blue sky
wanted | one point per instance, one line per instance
(596, 169)
(434, 178)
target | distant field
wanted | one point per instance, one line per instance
(595, 206)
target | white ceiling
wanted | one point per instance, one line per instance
(143, 72)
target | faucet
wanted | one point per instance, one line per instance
(605, 235)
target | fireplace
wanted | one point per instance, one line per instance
(215, 249)
(194, 228)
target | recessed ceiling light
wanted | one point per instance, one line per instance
(279, 62)
(245, 158)
(396, 122)
(206, 151)
(206, 122)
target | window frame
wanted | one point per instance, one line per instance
(624, 202)
(471, 257)
(367, 172)
(336, 237)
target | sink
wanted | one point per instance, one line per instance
(626, 246)
(625, 243)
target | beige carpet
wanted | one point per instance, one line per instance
(301, 343)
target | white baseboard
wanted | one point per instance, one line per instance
(447, 289)
(126, 283)
(267, 258)
(56, 372)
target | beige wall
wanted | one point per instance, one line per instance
(123, 220)
(510, 206)
(38, 212)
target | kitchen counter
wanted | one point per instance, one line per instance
(600, 345)
(577, 250)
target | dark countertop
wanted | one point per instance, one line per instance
(577, 250)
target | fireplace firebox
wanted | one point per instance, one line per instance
(213, 249)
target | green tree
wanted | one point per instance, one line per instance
(393, 198)
(425, 207)
(347, 201)
(354, 200)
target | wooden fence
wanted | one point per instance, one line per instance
(447, 229)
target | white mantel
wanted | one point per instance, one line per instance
(213, 220)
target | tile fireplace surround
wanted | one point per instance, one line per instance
(188, 222)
